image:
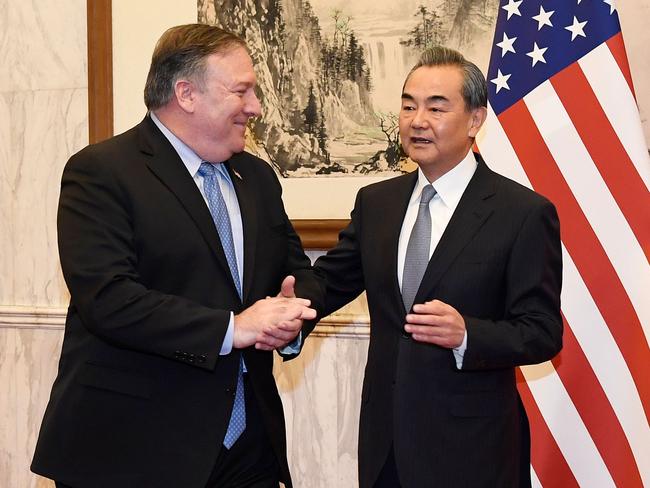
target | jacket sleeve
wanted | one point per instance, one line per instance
(100, 265)
(531, 330)
(342, 267)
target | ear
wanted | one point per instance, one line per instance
(476, 121)
(185, 93)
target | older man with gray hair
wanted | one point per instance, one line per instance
(462, 270)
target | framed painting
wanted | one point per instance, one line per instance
(329, 74)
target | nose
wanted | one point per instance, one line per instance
(253, 107)
(419, 120)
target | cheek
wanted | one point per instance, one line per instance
(403, 128)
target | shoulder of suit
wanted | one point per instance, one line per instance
(117, 144)
(518, 193)
(385, 186)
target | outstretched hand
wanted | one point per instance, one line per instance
(284, 332)
(274, 321)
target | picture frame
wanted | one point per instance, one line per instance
(314, 233)
(115, 106)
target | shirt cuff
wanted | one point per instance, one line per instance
(226, 345)
(459, 352)
(293, 347)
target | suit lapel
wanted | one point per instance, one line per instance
(391, 219)
(165, 163)
(246, 197)
(473, 210)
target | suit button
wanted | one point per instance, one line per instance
(177, 354)
(405, 335)
(190, 358)
(202, 358)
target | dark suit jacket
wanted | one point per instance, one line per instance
(499, 264)
(142, 397)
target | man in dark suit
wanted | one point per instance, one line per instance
(170, 239)
(479, 255)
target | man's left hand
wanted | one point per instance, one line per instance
(436, 322)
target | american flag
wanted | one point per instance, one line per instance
(563, 120)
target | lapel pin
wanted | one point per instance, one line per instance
(237, 175)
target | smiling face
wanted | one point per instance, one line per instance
(435, 127)
(222, 104)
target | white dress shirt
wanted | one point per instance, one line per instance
(449, 189)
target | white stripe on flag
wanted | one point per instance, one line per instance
(606, 360)
(497, 151)
(613, 93)
(593, 196)
(582, 314)
(565, 424)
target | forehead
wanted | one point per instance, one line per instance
(427, 81)
(235, 64)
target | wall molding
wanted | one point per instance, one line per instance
(346, 326)
(15, 317)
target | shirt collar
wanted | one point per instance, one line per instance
(450, 186)
(190, 159)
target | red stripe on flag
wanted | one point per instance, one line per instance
(547, 459)
(590, 400)
(580, 240)
(617, 48)
(605, 148)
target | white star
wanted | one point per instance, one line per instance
(501, 81)
(537, 54)
(543, 18)
(512, 8)
(612, 5)
(577, 28)
(507, 44)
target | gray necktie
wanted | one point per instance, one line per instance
(417, 251)
(219, 212)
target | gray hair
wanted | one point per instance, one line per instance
(474, 90)
(180, 53)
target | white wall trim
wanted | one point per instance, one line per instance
(14, 317)
(350, 326)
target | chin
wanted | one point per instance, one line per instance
(421, 154)
(238, 148)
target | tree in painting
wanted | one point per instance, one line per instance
(328, 74)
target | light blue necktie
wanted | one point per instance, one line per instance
(219, 212)
(417, 250)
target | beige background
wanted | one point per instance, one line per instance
(43, 120)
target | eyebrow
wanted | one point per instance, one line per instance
(431, 99)
(243, 85)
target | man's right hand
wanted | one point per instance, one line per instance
(281, 315)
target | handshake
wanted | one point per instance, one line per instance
(273, 322)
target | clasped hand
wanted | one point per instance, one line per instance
(272, 322)
(436, 322)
